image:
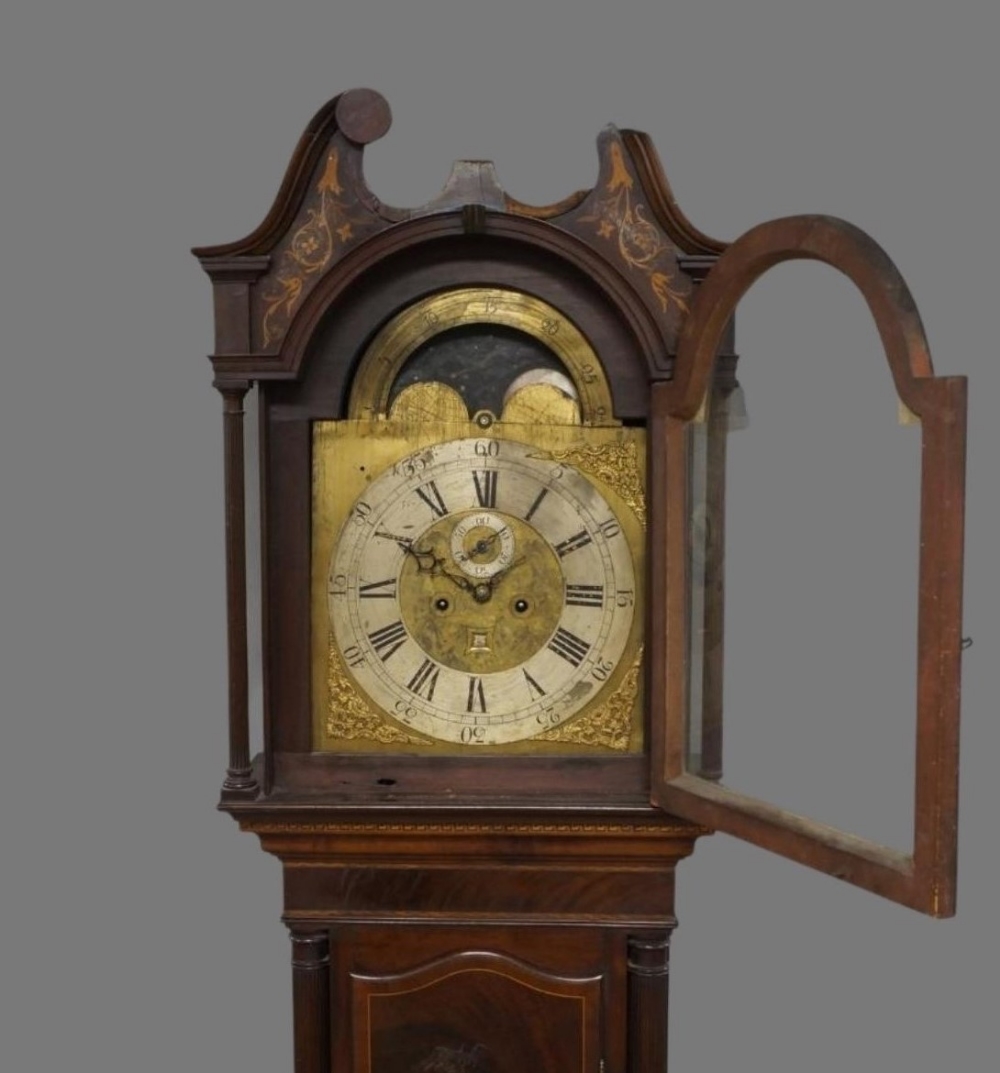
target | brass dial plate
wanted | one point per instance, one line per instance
(479, 590)
(481, 660)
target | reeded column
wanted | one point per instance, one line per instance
(239, 783)
(311, 998)
(648, 988)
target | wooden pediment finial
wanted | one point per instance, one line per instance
(363, 115)
(340, 129)
(634, 233)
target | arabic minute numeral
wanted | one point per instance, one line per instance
(410, 467)
(353, 656)
(603, 670)
(610, 528)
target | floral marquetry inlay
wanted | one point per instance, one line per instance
(328, 224)
(621, 218)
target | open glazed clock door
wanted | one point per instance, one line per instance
(924, 876)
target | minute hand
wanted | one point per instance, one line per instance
(505, 571)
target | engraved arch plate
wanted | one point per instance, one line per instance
(475, 306)
(924, 877)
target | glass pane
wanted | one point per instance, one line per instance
(804, 520)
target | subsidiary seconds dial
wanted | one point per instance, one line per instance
(481, 592)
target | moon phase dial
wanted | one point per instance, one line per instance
(480, 592)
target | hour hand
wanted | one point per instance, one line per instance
(427, 561)
(460, 580)
(430, 563)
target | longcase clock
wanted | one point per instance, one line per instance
(492, 462)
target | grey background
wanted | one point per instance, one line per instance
(138, 930)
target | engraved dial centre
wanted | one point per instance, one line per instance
(490, 621)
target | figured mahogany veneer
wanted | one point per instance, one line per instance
(498, 937)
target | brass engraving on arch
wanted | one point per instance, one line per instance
(442, 312)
